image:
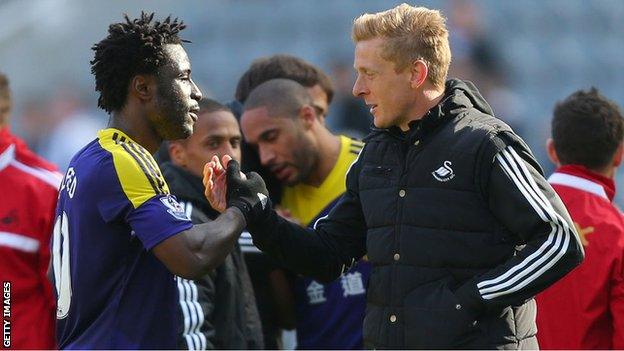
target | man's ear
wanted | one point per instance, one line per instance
(177, 154)
(308, 116)
(143, 87)
(619, 153)
(552, 153)
(419, 73)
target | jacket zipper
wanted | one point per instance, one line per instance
(404, 151)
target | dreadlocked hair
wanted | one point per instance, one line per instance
(131, 47)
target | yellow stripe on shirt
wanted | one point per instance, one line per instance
(138, 173)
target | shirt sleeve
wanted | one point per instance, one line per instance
(133, 191)
(335, 243)
(548, 246)
(157, 219)
(616, 303)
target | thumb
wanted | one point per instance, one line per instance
(233, 171)
(255, 179)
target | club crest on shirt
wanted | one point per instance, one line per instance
(173, 207)
(444, 173)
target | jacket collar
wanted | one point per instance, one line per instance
(7, 148)
(435, 117)
(579, 177)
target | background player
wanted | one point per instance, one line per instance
(218, 311)
(585, 309)
(271, 283)
(29, 188)
(282, 124)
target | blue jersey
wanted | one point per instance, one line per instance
(113, 207)
(329, 316)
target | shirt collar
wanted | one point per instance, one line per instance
(7, 148)
(579, 177)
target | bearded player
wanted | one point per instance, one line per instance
(119, 235)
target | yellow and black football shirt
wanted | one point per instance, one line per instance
(114, 206)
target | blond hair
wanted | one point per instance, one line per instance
(410, 33)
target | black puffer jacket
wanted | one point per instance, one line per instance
(459, 224)
(218, 311)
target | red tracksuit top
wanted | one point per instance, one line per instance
(28, 193)
(585, 309)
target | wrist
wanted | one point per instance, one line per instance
(470, 300)
(242, 208)
(238, 215)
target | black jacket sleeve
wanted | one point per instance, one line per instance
(197, 329)
(527, 206)
(322, 252)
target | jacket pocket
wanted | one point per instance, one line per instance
(377, 171)
(435, 319)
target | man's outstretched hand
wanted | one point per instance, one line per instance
(214, 182)
(246, 192)
(227, 186)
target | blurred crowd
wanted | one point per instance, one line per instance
(489, 40)
(56, 126)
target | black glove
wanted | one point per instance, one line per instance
(248, 195)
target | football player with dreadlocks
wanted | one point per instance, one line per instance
(119, 235)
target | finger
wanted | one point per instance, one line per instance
(218, 167)
(208, 173)
(225, 160)
(254, 177)
(207, 190)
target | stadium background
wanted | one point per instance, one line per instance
(523, 55)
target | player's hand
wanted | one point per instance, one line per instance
(214, 182)
(248, 193)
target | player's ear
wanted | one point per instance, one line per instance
(552, 153)
(619, 154)
(419, 72)
(177, 153)
(143, 86)
(308, 116)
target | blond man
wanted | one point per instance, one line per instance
(447, 202)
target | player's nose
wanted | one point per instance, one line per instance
(196, 94)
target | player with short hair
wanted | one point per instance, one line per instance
(281, 123)
(273, 293)
(119, 233)
(263, 69)
(446, 201)
(288, 67)
(585, 309)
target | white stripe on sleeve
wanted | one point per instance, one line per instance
(185, 313)
(549, 253)
(19, 242)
